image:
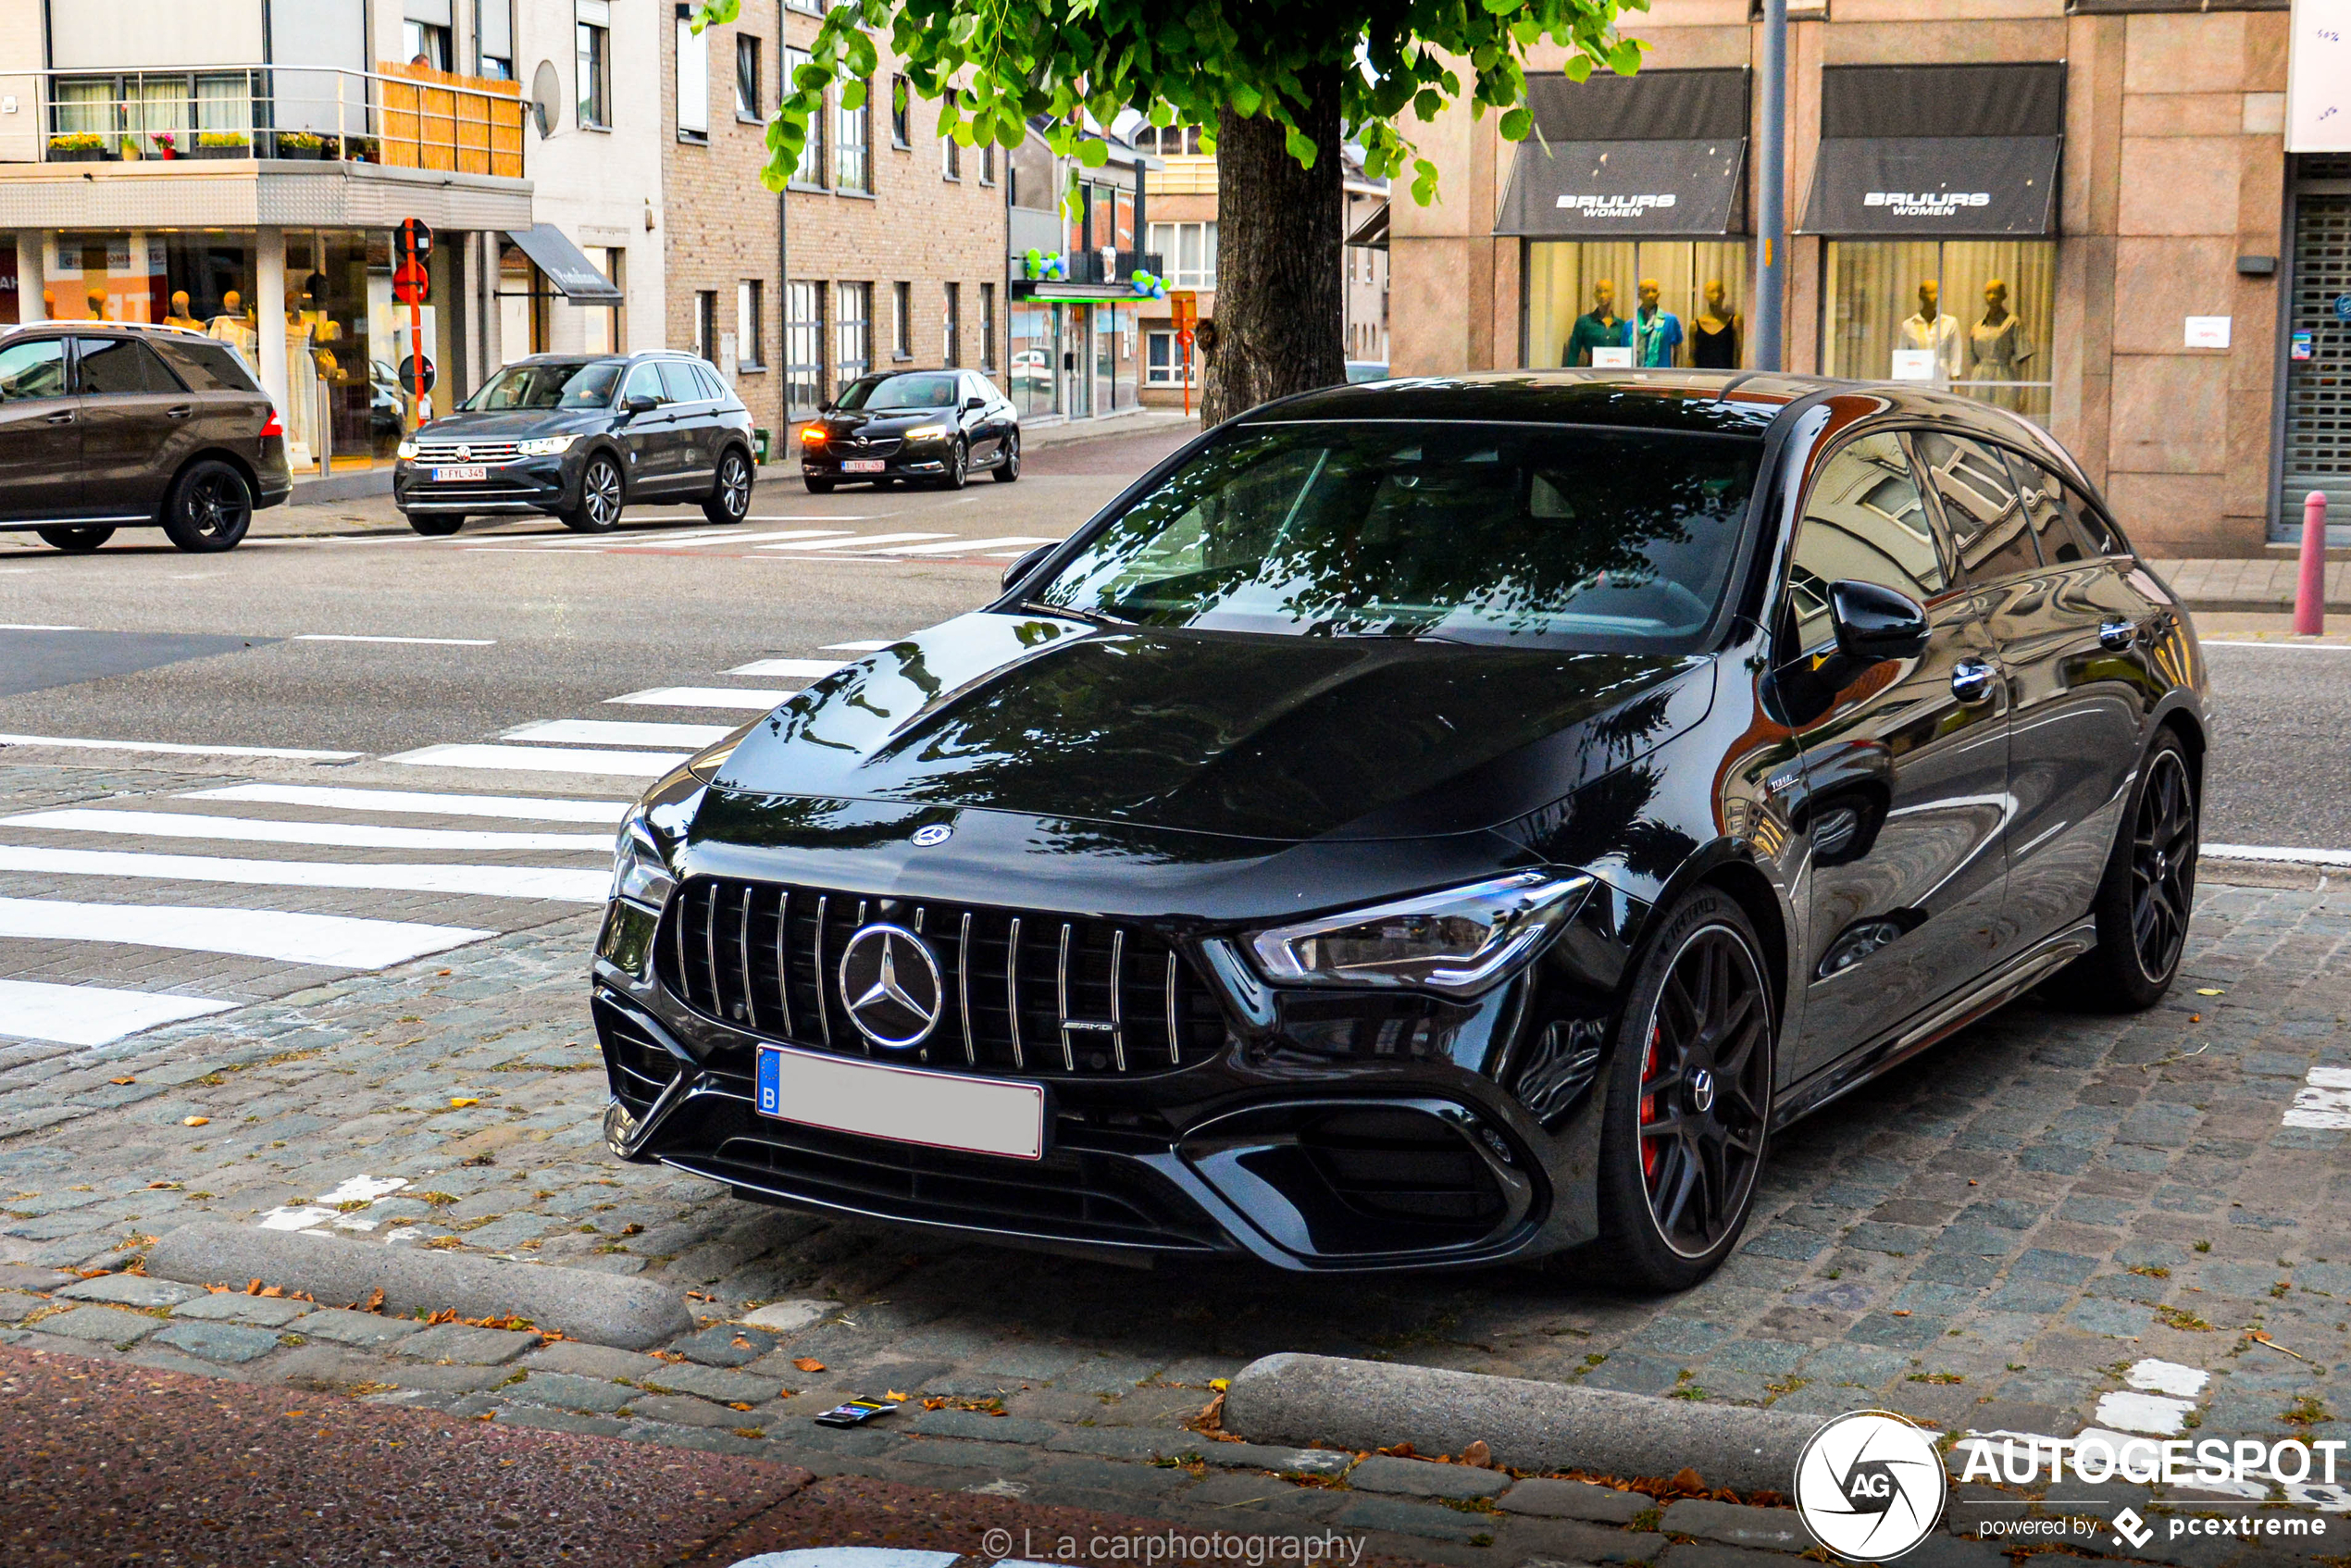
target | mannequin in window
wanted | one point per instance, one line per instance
(1997, 347)
(1714, 336)
(97, 304)
(1656, 331)
(1935, 331)
(1600, 327)
(179, 317)
(235, 327)
(301, 392)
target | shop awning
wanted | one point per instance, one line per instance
(1961, 152)
(1658, 154)
(1372, 232)
(570, 271)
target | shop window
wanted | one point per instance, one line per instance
(593, 62)
(1588, 294)
(1036, 358)
(852, 165)
(810, 171)
(854, 330)
(804, 345)
(751, 325)
(749, 95)
(1972, 316)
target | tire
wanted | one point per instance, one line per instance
(958, 468)
(1008, 465)
(209, 508)
(439, 526)
(731, 488)
(2146, 898)
(602, 497)
(75, 542)
(1685, 1125)
(816, 486)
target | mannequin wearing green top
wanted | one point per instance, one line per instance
(1598, 328)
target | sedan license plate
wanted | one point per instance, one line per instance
(863, 465)
(460, 475)
(936, 1110)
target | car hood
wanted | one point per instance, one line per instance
(1263, 737)
(515, 424)
(885, 422)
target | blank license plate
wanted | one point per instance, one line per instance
(936, 1110)
(864, 466)
(459, 475)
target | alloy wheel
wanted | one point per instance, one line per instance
(734, 485)
(1705, 1089)
(599, 495)
(215, 505)
(2163, 850)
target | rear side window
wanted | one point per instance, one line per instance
(114, 367)
(2099, 535)
(35, 369)
(208, 367)
(1979, 505)
(712, 387)
(1863, 522)
(679, 377)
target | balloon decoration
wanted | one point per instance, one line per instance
(1039, 266)
(1149, 286)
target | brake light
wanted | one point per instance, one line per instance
(273, 426)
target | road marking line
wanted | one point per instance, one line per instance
(528, 808)
(91, 1015)
(2299, 647)
(2288, 853)
(15, 625)
(427, 641)
(750, 698)
(812, 668)
(842, 517)
(860, 647)
(728, 538)
(619, 732)
(176, 749)
(482, 881)
(341, 942)
(332, 835)
(962, 544)
(604, 540)
(544, 759)
(2323, 1100)
(856, 541)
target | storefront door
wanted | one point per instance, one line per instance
(1078, 350)
(2318, 370)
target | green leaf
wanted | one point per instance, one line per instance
(1515, 124)
(1300, 146)
(1093, 152)
(853, 94)
(1626, 59)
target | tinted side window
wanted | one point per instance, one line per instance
(1863, 521)
(712, 387)
(114, 366)
(645, 382)
(2043, 495)
(208, 367)
(2100, 535)
(34, 370)
(680, 377)
(1979, 506)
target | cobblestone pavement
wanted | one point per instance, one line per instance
(1988, 1238)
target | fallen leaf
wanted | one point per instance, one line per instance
(1478, 1455)
(739, 1343)
(1220, 1384)
(253, 1288)
(737, 1406)
(809, 1363)
(297, 1412)
(195, 1121)
(375, 1300)
(163, 1187)
(444, 971)
(894, 1394)
(1899, 1312)
(2196, 1017)
(2208, 990)
(459, 1102)
(122, 1080)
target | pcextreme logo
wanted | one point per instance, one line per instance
(1869, 1486)
(1616, 207)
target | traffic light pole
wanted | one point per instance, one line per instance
(415, 330)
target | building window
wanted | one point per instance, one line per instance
(607, 328)
(750, 326)
(902, 98)
(902, 320)
(692, 79)
(988, 327)
(425, 43)
(988, 163)
(806, 7)
(854, 330)
(853, 163)
(952, 324)
(592, 38)
(951, 158)
(810, 171)
(1187, 252)
(1970, 315)
(706, 324)
(1164, 361)
(749, 98)
(803, 346)
(1565, 277)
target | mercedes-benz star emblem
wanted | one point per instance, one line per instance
(937, 833)
(891, 987)
(1701, 1091)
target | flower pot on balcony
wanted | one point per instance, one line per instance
(229, 150)
(80, 150)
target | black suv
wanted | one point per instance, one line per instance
(105, 427)
(578, 437)
(934, 426)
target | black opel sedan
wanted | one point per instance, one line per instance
(932, 427)
(579, 439)
(1425, 823)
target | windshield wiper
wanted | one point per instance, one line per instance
(1091, 617)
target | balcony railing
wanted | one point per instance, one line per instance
(403, 117)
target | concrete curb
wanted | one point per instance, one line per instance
(1356, 1404)
(604, 1309)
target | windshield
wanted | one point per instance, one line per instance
(561, 384)
(1599, 538)
(901, 392)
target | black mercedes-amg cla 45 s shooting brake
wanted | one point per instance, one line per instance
(1420, 824)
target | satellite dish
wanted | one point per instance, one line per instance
(546, 90)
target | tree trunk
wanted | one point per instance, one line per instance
(1280, 298)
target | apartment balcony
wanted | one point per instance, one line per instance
(263, 145)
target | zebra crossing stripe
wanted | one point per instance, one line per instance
(91, 1015)
(176, 748)
(336, 797)
(337, 940)
(620, 732)
(748, 698)
(479, 881)
(332, 835)
(544, 759)
(808, 668)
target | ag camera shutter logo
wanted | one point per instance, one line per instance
(1869, 1486)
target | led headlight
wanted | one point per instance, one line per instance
(640, 873)
(928, 433)
(545, 446)
(1460, 941)
(407, 449)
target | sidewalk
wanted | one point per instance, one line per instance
(2260, 586)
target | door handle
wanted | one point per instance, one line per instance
(1971, 681)
(2117, 635)
(64, 419)
(180, 412)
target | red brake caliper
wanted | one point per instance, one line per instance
(1649, 1105)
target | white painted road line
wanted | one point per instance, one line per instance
(843, 517)
(619, 732)
(2323, 1100)
(810, 668)
(89, 1015)
(605, 540)
(479, 881)
(751, 698)
(856, 541)
(337, 940)
(426, 641)
(334, 797)
(545, 759)
(20, 626)
(333, 835)
(967, 544)
(2297, 647)
(176, 749)
(2285, 854)
(723, 539)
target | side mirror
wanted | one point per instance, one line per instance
(642, 403)
(1874, 624)
(1026, 564)
(823, 405)
(974, 404)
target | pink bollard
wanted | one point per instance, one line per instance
(2310, 593)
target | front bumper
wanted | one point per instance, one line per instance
(527, 484)
(913, 460)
